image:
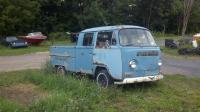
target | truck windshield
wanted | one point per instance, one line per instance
(136, 37)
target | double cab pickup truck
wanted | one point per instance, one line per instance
(112, 55)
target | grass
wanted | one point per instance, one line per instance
(5, 51)
(170, 51)
(173, 53)
(174, 93)
(161, 36)
(10, 106)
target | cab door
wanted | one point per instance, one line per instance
(108, 54)
(84, 53)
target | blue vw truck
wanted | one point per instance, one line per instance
(112, 54)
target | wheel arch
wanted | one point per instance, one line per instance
(99, 68)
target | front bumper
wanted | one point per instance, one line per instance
(20, 45)
(140, 79)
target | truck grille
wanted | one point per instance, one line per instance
(148, 53)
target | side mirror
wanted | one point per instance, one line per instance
(113, 40)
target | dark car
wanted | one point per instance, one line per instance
(170, 44)
(14, 42)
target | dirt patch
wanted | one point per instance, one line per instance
(25, 94)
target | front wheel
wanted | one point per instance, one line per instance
(103, 79)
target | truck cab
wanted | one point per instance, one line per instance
(112, 54)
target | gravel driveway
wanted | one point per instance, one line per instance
(28, 61)
(36, 60)
(187, 67)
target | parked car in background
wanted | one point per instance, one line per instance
(14, 42)
(34, 38)
(170, 44)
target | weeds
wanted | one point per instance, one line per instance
(48, 68)
(10, 106)
(174, 93)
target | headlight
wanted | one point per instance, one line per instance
(132, 64)
(26, 43)
(160, 63)
(13, 43)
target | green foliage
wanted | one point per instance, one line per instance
(9, 106)
(194, 23)
(17, 16)
(58, 36)
(21, 16)
(48, 68)
(166, 36)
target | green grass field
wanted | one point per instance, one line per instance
(5, 51)
(173, 53)
(43, 91)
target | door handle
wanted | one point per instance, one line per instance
(92, 53)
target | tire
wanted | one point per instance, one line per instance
(183, 51)
(60, 70)
(10, 46)
(103, 79)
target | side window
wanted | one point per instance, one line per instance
(104, 38)
(87, 40)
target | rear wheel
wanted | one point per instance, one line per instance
(60, 70)
(103, 79)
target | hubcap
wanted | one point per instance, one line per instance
(60, 71)
(102, 80)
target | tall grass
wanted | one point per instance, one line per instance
(174, 93)
(69, 93)
(8, 106)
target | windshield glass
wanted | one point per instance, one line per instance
(11, 39)
(35, 34)
(136, 37)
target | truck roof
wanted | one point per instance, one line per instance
(103, 28)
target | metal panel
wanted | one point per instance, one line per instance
(111, 58)
(146, 58)
(84, 59)
(65, 56)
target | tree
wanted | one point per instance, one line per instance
(186, 14)
(17, 16)
(194, 23)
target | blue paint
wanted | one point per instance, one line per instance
(115, 58)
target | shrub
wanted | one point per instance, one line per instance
(58, 36)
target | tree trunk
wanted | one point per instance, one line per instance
(186, 14)
(150, 12)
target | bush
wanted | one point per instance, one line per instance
(163, 35)
(58, 36)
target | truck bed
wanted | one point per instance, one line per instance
(64, 56)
